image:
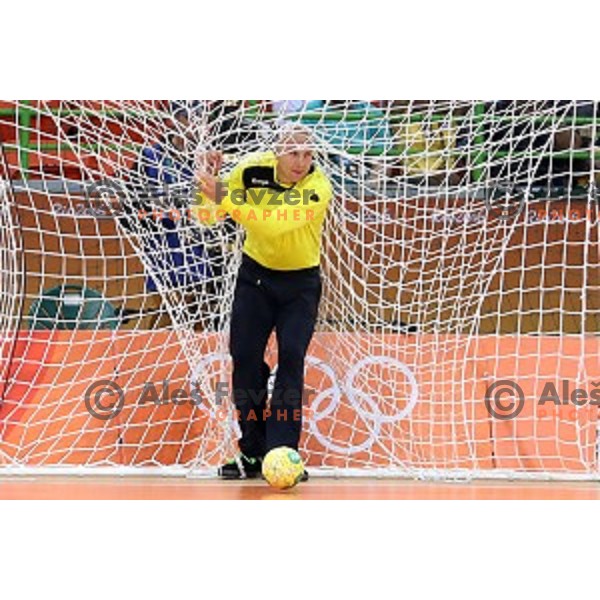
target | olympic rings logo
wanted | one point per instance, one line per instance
(362, 403)
(330, 397)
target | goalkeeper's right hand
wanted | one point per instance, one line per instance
(209, 162)
(208, 165)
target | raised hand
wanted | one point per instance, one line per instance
(210, 161)
(209, 165)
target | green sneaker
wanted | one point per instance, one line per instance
(252, 468)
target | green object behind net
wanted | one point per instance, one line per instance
(72, 307)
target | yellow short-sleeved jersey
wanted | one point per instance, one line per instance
(283, 223)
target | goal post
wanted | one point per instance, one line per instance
(458, 333)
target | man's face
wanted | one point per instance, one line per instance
(294, 158)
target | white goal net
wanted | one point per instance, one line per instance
(458, 332)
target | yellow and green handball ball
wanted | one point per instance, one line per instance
(282, 468)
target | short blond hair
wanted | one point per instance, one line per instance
(286, 135)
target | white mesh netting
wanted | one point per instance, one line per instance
(461, 250)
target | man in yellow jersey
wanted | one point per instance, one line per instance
(280, 198)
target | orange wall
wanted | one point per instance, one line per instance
(547, 280)
(43, 419)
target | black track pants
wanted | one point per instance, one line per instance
(286, 301)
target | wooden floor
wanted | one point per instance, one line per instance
(155, 488)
